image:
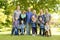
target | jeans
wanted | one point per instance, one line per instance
(28, 29)
(42, 31)
(33, 30)
(22, 28)
(15, 25)
(14, 31)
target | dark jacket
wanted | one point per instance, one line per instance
(22, 19)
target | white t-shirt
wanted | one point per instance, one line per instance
(47, 27)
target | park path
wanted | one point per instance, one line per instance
(53, 31)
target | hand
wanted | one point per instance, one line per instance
(22, 21)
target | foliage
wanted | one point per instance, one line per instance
(7, 8)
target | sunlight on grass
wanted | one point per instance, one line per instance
(28, 37)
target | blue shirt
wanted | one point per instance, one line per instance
(28, 18)
(41, 25)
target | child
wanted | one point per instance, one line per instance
(47, 28)
(41, 24)
(33, 25)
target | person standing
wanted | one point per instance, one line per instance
(33, 23)
(15, 20)
(41, 22)
(47, 28)
(28, 20)
(47, 18)
(22, 19)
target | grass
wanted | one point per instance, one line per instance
(28, 37)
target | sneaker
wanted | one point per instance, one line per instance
(33, 35)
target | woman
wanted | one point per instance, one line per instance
(22, 19)
(33, 23)
(41, 22)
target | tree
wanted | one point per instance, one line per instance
(9, 6)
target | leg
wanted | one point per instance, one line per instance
(28, 29)
(43, 31)
(12, 30)
(40, 31)
(36, 29)
(50, 32)
(16, 31)
(46, 33)
(21, 29)
(33, 31)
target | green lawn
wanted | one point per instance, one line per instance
(26, 37)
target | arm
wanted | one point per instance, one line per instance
(25, 19)
(13, 17)
(50, 17)
(19, 18)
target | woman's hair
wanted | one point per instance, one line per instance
(17, 6)
(46, 22)
(23, 11)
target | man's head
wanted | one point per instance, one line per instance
(46, 10)
(41, 11)
(29, 9)
(34, 11)
(18, 7)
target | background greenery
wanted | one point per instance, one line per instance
(7, 8)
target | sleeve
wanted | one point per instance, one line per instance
(38, 21)
(44, 18)
(50, 17)
(13, 17)
(25, 19)
(19, 18)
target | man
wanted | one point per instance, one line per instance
(15, 20)
(47, 18)
(28, 20)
